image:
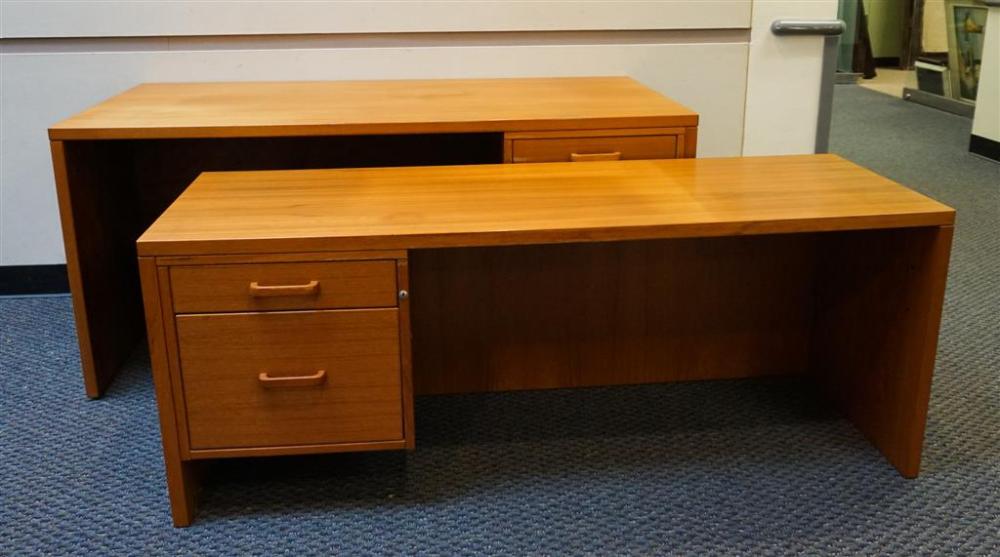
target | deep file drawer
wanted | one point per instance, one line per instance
(291, 378)
(278, 286)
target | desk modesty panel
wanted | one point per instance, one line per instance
(119, 164)
(332, 297)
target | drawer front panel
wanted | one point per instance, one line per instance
(568, 149)
(291, 378)
(278, 286)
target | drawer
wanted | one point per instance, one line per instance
(277, 286)
(580, 149)
(291, 378)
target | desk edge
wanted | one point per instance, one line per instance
(248, 246)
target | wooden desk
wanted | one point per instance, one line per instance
(531, 276)
(119, 164)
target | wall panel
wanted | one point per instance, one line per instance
(21, 19)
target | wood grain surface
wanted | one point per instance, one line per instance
(610, 313)
(270, 109)
(484, 205)
(182, 475)
(340, 284)
(359, 397)
(98, 229)
(589, 149)
(879, 296)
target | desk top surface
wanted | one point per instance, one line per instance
(270, 109)
(512, 204)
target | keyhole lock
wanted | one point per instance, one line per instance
(403, 294)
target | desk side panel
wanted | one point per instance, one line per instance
(92, 384)
(182, 476)
(690, 142)
(878, 312)
(97, 210)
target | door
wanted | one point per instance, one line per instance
(789, 87)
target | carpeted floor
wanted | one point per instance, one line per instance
(709, 468)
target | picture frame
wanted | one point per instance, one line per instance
(966, 22)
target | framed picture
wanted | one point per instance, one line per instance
(966, 25)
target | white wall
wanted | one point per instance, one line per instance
(117, 18)
(986, 122)
(57, 58)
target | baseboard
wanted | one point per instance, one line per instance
(984, 147)
(961, 108)
(887, 62)
(33, 279)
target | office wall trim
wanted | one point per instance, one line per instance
(114, 18)
(370, 40)
(985, 147)
(33, 279)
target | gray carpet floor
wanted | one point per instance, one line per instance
(728, 468)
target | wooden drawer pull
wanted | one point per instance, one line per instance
(269, 382)
(586, 157)
(308, 289)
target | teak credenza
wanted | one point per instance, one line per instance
(119, 164)
(294, 312)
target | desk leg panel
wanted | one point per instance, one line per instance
(879, 302)
(96, 205)
(405, 352)
(182, 476)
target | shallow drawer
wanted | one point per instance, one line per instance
(567, 149)
(291, 378)
(275, 286)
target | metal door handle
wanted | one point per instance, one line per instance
(829, 29)
(824, 27)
